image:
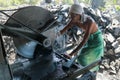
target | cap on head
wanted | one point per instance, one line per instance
(76, 8)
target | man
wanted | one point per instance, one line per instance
(92, 43)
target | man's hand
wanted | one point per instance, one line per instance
(67, 56)
(58, 33)
(73, 53)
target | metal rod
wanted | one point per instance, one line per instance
(83, 70)
(18, 33)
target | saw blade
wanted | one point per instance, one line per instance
(34, 17)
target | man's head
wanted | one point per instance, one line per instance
(76, 10)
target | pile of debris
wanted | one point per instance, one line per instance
(110, 66)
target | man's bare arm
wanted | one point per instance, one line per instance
(69, 25)
(86, 36)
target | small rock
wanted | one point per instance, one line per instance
(109, 37)
(112, 65)
(102, 67)
(118, 39)
(105, 63)
(115, 44)
(117, 65)
(104, 43)
(112, 72)
(105, 50)
(117, 31)
(110, 52)
(115, 22)
(117, 50)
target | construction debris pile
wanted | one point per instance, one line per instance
(110, 67)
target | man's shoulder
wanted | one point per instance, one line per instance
(89, 17)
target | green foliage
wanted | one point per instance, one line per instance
(4, 3)
(71, 1)
(117, 7)
(67, 1)
(85, 1)
(32, 2)
(102, 8)
(16, 2)
(114, 1)
(7, 3)
(111, 2)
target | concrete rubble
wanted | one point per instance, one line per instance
(110, 66)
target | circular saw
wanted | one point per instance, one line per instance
(34, 17)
